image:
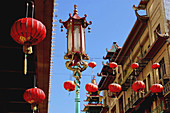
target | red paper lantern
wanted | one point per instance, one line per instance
(90, 87)
(92, 64)
(34, 96)
(112, 64)
(155, 65)
(69, 86)
(28, 31)
(114, 88)
(156, 88)
(134, 65)
(138, 86)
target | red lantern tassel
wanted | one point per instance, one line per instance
(69, 94)
(25, 64)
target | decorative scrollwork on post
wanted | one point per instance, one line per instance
(77, 65)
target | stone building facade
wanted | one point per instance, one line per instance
(148, 42)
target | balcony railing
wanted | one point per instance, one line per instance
(137, 98)
(158, 109)
(166, 88)
(128, 107)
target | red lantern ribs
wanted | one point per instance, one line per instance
(138, 86)
(156, 88)
(155, 66)
(27, 32)
(134, 65)
(92, 64)
(69, 86)
(90, 87)
(34, 96)
(114, 88)
(113, 65)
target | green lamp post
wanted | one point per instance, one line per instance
(76, 52)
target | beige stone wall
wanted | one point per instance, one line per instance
(155, 11)
(156, 16)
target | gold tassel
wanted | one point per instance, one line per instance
(69, 95)
(25, 64)
(34, 109)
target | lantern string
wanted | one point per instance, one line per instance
(32, 9)
(71, 75)
(27, 10)
(34, 81)
(92, 74)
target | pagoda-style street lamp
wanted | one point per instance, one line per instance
(76, 51)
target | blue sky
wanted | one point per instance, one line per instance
(112, 21)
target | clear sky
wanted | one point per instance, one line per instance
(112, 21)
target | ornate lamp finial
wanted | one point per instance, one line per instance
(75, 9)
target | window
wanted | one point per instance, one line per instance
(149, 81)
(161, 69)
(158, 30)
(121, 104)
(144, 52)
(148, 46)
(105, 102)
(145, 87)
(129, 100)
(113, 110)
(118, 69)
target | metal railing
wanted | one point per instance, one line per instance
(128, 106)
(166, 88)
(158, 109)
(136, 97)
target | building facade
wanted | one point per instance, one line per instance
(14, 83)
(148, 42)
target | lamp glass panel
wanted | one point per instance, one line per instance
(83, 40)
(69, 43)
(76, 38)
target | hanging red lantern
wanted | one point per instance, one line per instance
(138, 86)
(113, 65)
(34, 95)
(155, 65)
(90, 87)
(114, 88)
(28, 32)
(69, 86)
(134, 65)
(92, 64)
(156, 88)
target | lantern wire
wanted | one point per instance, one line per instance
(96, 58)
(34, 80)
(32, 9)
(27, 10)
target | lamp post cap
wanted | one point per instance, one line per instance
(75, 9)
